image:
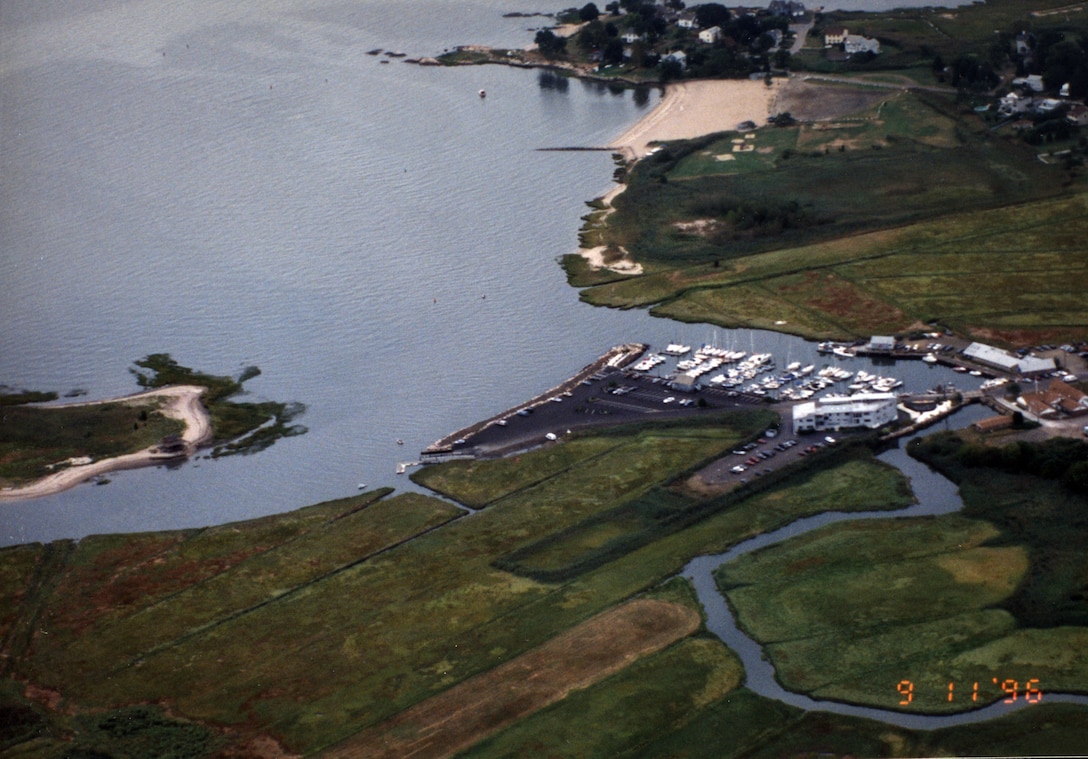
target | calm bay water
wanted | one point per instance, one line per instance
(239, 183)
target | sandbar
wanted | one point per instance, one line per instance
(181, 402)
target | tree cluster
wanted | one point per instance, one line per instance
(1063, 459)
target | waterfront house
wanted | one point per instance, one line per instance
(711, 35)
(679, 56)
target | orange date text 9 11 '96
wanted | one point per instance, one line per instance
(1011, 688)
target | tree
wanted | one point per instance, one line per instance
(1076, 477)
(711, 14)
(589, 12)
(593, 36)
(670, 69)
(549, 43)
(613, 52)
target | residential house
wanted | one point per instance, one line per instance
(1055, 401)
(687, 21)
(853, 44)
(1013, 103)
(786, 8)
(679, 56)
(1078, 114)
(1034, 83)
(835, 35)
(711, 35)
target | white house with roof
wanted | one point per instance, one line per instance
(687, 21)
(679, 56)
(835, 35)
(711, 35)
(881, 344)
(836, 412)
(856, 43)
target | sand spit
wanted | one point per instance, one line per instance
(180, 402)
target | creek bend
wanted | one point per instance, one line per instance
(936, 496)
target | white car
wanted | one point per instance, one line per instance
(738, 469)
(551, 436)
(670, 399)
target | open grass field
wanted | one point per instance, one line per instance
(906, 211)
(853, 610)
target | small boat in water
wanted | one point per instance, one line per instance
(483, 94)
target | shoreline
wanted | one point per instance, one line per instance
(687, 109)
(182, 403)
(698, 107)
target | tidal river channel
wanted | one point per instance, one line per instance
(936, 496)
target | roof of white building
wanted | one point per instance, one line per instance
(991, 355)
(1032, 364)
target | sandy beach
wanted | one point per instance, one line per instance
(687, 109)
(692, 109)
(181, 402)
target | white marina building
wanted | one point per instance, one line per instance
(872, 410)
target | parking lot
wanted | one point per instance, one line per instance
(761, 457)
(613, 397)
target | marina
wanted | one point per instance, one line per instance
(634, 381)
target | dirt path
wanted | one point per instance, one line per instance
(182, 402)
(470, 711)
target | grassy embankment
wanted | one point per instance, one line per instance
(313, 626)
(996, 593)
(908, 213)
